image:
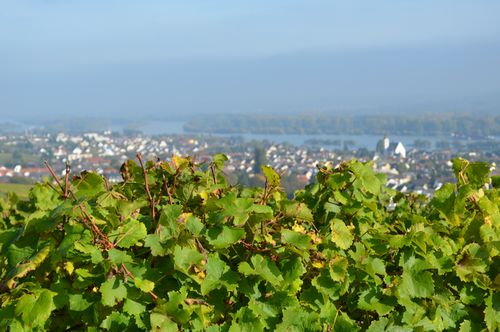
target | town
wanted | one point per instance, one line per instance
(408, 168)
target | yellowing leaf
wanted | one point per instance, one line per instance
(318, 264)
(341, 234)
(144, 285)
(298, 228)
(273, 178)
(69, 267)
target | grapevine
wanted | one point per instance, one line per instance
(175, 247)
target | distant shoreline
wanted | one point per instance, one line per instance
(456, 125)
(303, 138)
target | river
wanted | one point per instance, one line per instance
(355, 141)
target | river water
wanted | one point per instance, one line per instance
(355, 141)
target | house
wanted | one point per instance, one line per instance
(397, 149)
(387, 148)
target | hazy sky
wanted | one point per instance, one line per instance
(176, 57)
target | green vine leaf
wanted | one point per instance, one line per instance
(128, 234)
(35, 309)
(113, 290)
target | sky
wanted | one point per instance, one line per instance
(123, 58)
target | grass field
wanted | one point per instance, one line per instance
(20, 190)
(27, 158)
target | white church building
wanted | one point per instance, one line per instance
(388, 148)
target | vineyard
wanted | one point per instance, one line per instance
(174, 247)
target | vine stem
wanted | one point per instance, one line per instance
(54, 176)
(212, 171)
(108, 244)
(265, 194)
(334, 320)
(166, 189)
(146, 185)
(66, 180)
(67, 192)
(214, 177)
(128, 273)
(202, 249)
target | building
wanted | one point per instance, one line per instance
(390, 149)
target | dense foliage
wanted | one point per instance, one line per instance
(440, 124)
(174, 247)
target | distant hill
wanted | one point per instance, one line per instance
(432, 124)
